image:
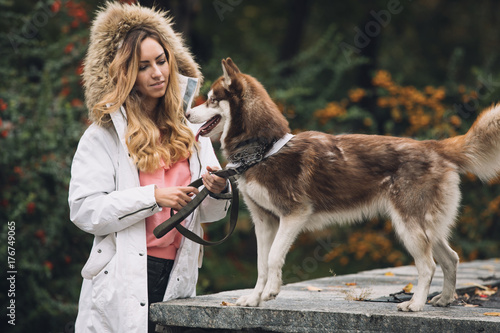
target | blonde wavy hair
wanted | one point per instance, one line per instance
(167, 137)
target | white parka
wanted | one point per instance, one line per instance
(106, 200)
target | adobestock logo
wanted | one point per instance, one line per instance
(223, 6)
(32, 26)
(372, 29)
(303, 271)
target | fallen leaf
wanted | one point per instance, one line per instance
(475, 284)
(496, 314)
(485, 292)
(350, 283)
(227, 304)
(356, 294)
(311, 288)
(471, 306)
(488, 267)
(480, 286)
(389, 274)
(408, 288)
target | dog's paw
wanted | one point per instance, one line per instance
(410, 306)
(441, 301)
(249, 300)
(268, 296)
(270, 293)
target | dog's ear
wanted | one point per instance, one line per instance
(230, 71)
(231, 63)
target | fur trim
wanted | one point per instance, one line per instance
(109, 28)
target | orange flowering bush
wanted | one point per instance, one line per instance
(418, 110)
(332, 110)
(365, 246)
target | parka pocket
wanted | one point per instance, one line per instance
(100, 255)
(106, 299)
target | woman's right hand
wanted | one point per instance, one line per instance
(174, 197)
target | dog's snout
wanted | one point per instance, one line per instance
(188, 114)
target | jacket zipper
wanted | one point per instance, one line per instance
(138, 211)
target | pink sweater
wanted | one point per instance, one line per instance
(175, 175)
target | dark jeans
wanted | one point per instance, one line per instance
(158, 274)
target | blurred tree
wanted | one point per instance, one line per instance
(298, 13)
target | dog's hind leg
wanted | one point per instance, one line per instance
(418, 243)
(442, 252)
(448, 260)
(422, 254)
(266, 227)
(290, 227)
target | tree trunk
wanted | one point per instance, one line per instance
(298, 13)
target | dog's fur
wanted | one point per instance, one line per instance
(317, 179)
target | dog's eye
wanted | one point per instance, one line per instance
(213, 100)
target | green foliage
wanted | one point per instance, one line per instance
(316, 79)
(42, 120)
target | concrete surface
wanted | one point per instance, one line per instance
(332, 304)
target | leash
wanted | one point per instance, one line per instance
(175, 219)
(242, 162)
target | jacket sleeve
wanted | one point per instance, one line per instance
(211, 209)
(96, 206)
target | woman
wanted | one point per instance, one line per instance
(136, 158)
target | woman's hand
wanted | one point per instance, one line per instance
(175, 197)
(213, 183)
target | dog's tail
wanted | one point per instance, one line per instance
(478, 151)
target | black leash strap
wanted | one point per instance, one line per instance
(175, 219)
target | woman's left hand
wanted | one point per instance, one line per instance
(213, 183)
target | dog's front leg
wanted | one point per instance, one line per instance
(265, 231)
(290, 226)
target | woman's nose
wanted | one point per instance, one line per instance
(156, 72)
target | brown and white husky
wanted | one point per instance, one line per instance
(318, 179)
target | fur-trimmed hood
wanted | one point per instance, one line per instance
(109, 28)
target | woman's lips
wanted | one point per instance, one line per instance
(158, 85)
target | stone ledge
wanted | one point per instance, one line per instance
(320, 305)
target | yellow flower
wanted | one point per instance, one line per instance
(382, 79)
(455, 120)
(332, 110)
(425, 120)
(382, 102)
(396, 115)
(429, 90)
(439, 93)
(355, 95)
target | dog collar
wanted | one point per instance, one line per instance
(253, 154)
